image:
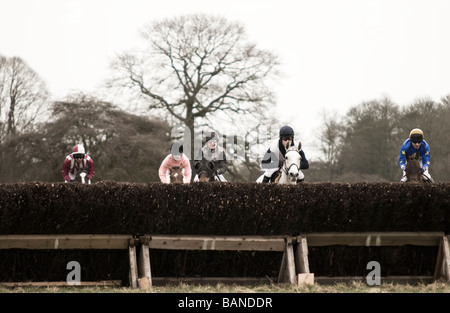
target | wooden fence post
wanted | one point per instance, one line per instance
(145, 273)
(287, 268)
(301, 253)
(133, 264)
(442, 268)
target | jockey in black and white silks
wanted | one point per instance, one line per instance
(274, 157)
(211, 151)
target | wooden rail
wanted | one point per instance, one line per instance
(237, 243)
(375, 239)
(50, 242)
(66, 241)
(219, 243)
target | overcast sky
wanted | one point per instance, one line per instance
(335, 54)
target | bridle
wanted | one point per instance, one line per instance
(202, 173)
(286, 168)
(413, 171)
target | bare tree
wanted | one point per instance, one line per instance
(197, 65)
(331, 138)
(23, 96)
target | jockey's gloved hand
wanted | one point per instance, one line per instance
(426, 174)
(220, 171)
(302, 154)
(403, 179)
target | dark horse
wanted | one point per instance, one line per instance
(413, 169)
(81, 177)
(207, 170)
(204, 169)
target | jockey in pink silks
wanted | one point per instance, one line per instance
(175, 158)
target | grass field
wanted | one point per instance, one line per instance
(354, 287)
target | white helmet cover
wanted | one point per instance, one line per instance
(78, 149)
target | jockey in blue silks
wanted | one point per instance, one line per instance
(274, 157)
(415, 144)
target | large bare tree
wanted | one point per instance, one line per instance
(23, 97)
(196, 65)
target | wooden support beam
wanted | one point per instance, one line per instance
(442, 269)
(144, 266)
(287, 268)
(133, 266)
(446, 257)
(301, 251)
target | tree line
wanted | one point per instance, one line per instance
(200, 71)
(364, 145)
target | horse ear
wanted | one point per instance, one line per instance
(299, 146)
(197, 165)
(287, 146)
(210, 165)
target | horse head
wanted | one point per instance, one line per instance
(80, 177)
(413, 169)
(205, 170)
(176, 174)
(291, 166)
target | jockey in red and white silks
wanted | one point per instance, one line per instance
(76, 162)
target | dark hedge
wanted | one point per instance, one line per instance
(219, 209)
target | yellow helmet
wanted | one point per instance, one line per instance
(416, 134)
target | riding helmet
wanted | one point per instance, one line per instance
(176, 149)
(286, 131)
(416, 134)
(78, 149)
(211, 136)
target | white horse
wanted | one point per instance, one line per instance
(291, 166)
